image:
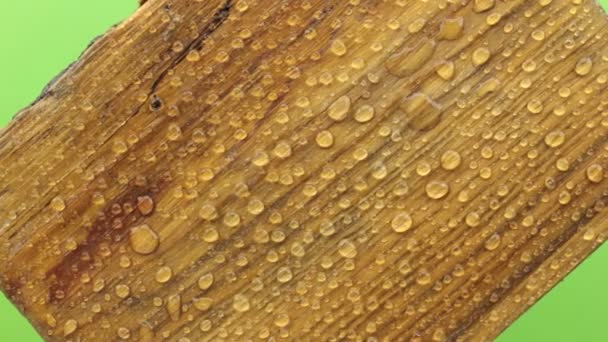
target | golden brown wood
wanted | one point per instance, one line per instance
(309, 171)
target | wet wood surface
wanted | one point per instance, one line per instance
(235, 170)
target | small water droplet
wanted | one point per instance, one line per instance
(583, 67)
(325, 139)
(492, 242)
(232, 219)
(260, 159)
(193, 56)
(57, 204)
(122, 291)
(481, 56)
(282, 150)
(210, 235)
(255, 206)
(562, 164)
(70, 327)
(437, 189)
(555, 138)
(281, 320)
(450, 160)
(347, 249)
(595, 173)
(240, 303)
(402, 222)
(208, 212)
(145, 205)
(417, 25)
(445, 70)
(202, 303)
(423, 277)
(483, 5)
(174, 132)
(119, 146)
(535, 106)
(205, 281)
(364, 114)
(163, 274)
(338, 110)
(174, 306)
(472, 219)
(123, 333)
(241, 6)
(338, 47)
(284, 274)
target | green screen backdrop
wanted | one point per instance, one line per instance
(39, 38)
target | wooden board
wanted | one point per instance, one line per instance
(310, 171)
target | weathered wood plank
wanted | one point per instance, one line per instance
(309, 170)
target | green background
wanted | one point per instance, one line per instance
(39, 38)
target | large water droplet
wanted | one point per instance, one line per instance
(143, 239)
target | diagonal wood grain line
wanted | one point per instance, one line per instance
(309, 171)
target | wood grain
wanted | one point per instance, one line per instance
(231, 170)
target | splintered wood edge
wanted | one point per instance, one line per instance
(127, 79)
